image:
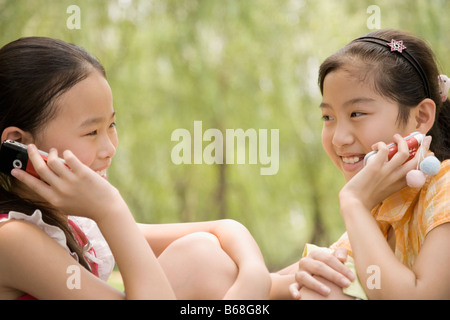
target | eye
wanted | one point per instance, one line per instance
(327, 118)
(92, 133)
(356, 114)
(112, 125)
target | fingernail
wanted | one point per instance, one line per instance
(341, 256)
(352, 276)
(325, 290)
(14, 172)
(345, 282)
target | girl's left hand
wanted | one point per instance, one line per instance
(380, 178)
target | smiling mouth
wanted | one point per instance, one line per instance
(102, 173)
(352, 160)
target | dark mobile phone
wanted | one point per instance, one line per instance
(14, 154)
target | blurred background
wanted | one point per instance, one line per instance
(249, 64)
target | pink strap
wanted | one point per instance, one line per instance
(82, 241)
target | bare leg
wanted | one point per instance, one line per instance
(198, 268)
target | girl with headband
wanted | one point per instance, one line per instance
(378, 89)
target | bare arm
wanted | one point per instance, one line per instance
(33, 263)
(429, 277)
(80, 191)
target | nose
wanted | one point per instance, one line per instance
(342, 135)
(107, 146)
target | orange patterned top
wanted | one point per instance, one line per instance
(412, 213)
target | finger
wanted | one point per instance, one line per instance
(426, 144)
(294, 290)
(408, 165)
(381, 157)
(72, 161)
(35, 184)
(39, 165)
(341, 278)
(329, 268)
(304, 279)
(340, 253)
(402, 153)
(80, 170)
(421, 152)
(55, 163)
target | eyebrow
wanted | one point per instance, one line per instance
(94, 120)
(349, 102)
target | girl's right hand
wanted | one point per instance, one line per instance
(80, 191)
(328, 266)
(76, 191)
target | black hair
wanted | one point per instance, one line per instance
(396, 78)
(34, 72)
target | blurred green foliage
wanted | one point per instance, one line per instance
(230, 64)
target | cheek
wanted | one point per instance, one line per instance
(83, 154)
(327, 143)
(326, 140)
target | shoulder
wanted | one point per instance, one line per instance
(24, 256)
(32, 262)
(438, 185)
(17, 239)
(21, 241)
(443, 176)
(14, 231)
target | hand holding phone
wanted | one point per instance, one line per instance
(14, 154)
(69, 186)
(413, 140)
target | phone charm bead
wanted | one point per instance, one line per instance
(428, 166)
(415, 178)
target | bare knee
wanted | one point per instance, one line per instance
(199, 240)
(197, 267)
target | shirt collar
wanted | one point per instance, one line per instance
(394, 208)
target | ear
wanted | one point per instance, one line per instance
(424, 115)
(17, 134)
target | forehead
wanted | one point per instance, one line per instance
(345, 83)
(343, 89)
(91, 97)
